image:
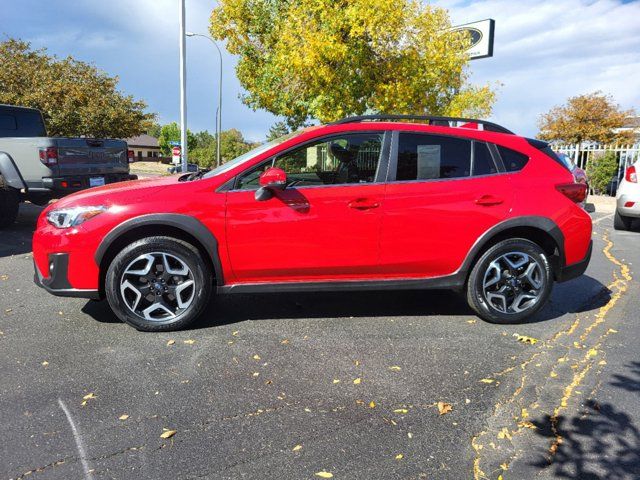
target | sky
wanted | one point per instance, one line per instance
(545, 51)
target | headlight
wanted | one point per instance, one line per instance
(71, 217)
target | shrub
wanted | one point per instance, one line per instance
(601, 170)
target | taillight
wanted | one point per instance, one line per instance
(630, 175)
(130, 155)
(576, 192)
(49, 155)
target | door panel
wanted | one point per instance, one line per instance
(448, 195)
(305, 234)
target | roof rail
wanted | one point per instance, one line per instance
(432, 120)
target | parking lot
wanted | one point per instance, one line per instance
(354, 385)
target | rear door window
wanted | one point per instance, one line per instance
(513, 161)
(432, 157)
(483, 163)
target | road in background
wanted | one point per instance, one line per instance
(290, 385)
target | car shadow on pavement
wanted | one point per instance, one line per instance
(600, 441)
(588, 294)
(16, 239)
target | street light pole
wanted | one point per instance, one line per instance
(219, 109)
(183, 89)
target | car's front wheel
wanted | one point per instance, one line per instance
(511, 281)
(158, 284)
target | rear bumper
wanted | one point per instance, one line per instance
(57, 283)
(75, 183)
(572, 271)
(627, 199)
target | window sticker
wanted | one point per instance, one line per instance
(429, 159)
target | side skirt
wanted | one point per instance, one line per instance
(449, 282)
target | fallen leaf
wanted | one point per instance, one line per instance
(4, 277)
(89, 396)
(8, 310)
(409, 434)
(466, 400)
(285, 341)
(170, 342)
(255, 374)
(324, 474)
(524, 413)
(471, 321)
(372, 404)
(235, 333)
(189, 342)
(487, 380)
(401, 410)
(256, 357)
(504, 433)
(592, 352)
(357, 363)
(444, 408)
(395, 368)
(45, 363)
(297, 447)
(399, 456)
(553, 374)
(504, 466)
(357, 381)
(525, 339)
(123, 417)
(602, 362)
(168, 433)
(527, 424)
(335, 380)
(611, 330)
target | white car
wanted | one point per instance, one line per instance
(628, 199)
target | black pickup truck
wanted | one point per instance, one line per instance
(38, 168)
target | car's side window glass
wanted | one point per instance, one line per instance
(513, 161)
(432, 157)
(340, 159)
(483, 163)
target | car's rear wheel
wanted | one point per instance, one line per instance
(158, 284)
(620, 222)
(511, 281)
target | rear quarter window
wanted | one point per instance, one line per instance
(513, 161)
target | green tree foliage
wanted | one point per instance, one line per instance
(76, 99)
(232, 145)
(601, 170)
(171, 133)
(154, 130)
(277, 130)
(326, 59)
(585, 118)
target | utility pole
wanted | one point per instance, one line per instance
(183, 89)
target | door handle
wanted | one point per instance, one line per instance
(489, 200)
(363, 204)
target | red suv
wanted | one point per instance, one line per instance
(370, 202)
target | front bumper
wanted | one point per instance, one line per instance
(57, 283)
(570, 272)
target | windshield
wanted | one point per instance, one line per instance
(225, 167)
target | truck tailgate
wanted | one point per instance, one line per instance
(87, 156)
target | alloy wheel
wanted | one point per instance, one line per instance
(157, 286)
(513, 282)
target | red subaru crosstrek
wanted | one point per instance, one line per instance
(364, 203)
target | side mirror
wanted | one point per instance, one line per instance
(272, 179)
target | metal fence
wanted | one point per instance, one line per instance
(583, 155)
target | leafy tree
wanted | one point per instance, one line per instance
(154, 130)
(232, 145)
(76, 99)
(601, 170)
(585, 118)
(326, 59)
(171, 133)
(277, 130)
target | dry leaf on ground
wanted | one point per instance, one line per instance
(444, 408)
(525, 339)
(189, 342)
(123, 417)
(324, 474)
(357, 381)
(168, 433)
(170, 342)
(297, 447)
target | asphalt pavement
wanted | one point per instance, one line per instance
(372, 385)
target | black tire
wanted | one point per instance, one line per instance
(9, 205)
(181, 254)
(620, 222)
(513, 282)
